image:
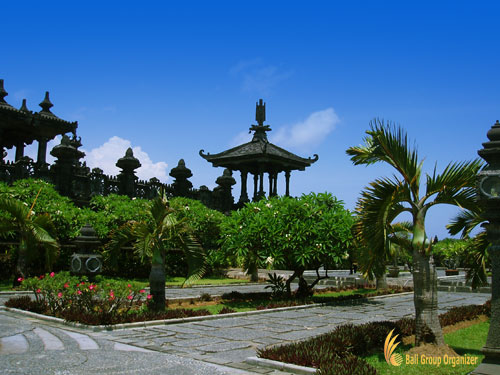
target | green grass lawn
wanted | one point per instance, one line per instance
(6, 285)
(249, 305)
(467, 341)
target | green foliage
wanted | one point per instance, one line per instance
(277, 285)
(66, 217)
(451, 252)
(112, 211)
(297, 234)
(62, 292)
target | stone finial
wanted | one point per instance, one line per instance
(24, 107)
(494, 133)
(260, 112)
(46, 104)
(3, 94)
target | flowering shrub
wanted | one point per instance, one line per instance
(61, 292)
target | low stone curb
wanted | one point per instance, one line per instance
(175, 321)
(261, 362)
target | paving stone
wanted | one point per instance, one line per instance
(239, 333)
(200, 342)
(228, 345)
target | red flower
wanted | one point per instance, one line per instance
(38, 290)
(52, 274)
(149, 296)
(128, 285)
(142, 291)
(42, 277)
(78, 292)
(130, 297)
(91, 286)
(66, 285)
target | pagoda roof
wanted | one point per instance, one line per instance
(259, 155)
(258, 152)
(23, 125)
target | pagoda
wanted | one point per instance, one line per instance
(259, 157)
(20, 127)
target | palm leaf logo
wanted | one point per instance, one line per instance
(389, 347)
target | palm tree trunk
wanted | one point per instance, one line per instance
(428, 328)
(157, 287)
(381, 282)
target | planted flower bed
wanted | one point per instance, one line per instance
(338, 352)
(113, 301)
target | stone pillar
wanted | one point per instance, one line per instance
(19, 150)
(255, 180)
(244, 194)
(261, 182)
(182, 186)
(488, 186)
(287, 181)
(270, 184)
(275, 188)
(42, 152)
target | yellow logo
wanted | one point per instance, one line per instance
(389, 346)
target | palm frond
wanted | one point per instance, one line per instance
(17, 209)
(455, 185)
(465, 222)
(389, 143)
(195, 257)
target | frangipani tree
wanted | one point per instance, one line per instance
(291, 233)
(402, 193)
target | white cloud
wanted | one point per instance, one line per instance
(258, 77)
(106, 156)
(240, 138)
(307, 133)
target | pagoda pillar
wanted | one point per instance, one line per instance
(19, 150)
(42, 152)
(271, 178)
(244, 194)
(261, 182)
(287, 181)
(255, 180)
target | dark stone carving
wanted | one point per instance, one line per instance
(181, 185)
(127, 177)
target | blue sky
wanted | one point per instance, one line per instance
(171, 78)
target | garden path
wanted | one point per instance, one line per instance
(216, 346)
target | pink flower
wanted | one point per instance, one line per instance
(52, 274)
(142, 291)
(59, 294)
(66, 285)
(78, 292)
(111, 293)
(149, 296)
(20, 279)
(130, 297)
(91, 287)
(38, 290)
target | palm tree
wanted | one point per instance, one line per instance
(401, 193)
(154, 238)
(32, 231)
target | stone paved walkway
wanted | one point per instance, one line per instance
(217, 346)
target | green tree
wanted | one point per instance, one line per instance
(31, 230)
(153, 238)
(296, 234)
(401, 193)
